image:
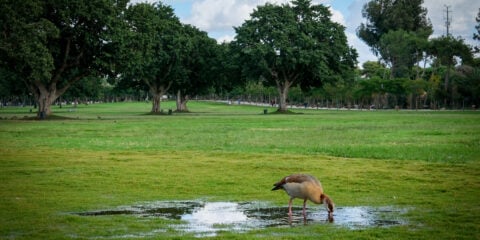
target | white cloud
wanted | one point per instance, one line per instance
(215, 15)
(338, 17)
(222, 15)
(354, 19)
(363, 50)
(225, 38)
(218, 17)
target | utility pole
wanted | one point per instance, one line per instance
(448, 21)
(448, 18)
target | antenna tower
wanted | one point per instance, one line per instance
(448, 18)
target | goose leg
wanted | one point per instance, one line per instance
(304, 208)
(290, 207)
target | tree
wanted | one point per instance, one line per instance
(11, 87)
(476, 35)
(446, 49)
(151, 48)
(53, 44)
(374, 69)
(401, 50)
(89, 89)
(228, 70)
(198, 62)
(416, 90)
(298, 44)
(392, 15)
(397, 31)
(467, 80)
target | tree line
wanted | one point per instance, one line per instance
(399, 33)
(58, 50)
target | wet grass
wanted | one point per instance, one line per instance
(111, 155)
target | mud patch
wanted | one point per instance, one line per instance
(208, 218)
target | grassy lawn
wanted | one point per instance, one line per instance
(103, 156)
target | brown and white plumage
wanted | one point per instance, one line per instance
(305, 187)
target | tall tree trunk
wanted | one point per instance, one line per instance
(45, 96)
(182, 102)
(446, 85)
(156, 99)
(157, 92)
(47, 93)
(44, 102)
(283, 88)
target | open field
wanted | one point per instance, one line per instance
(109, 155)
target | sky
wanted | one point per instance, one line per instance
(218, 17)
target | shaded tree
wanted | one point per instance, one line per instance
(197, 65)
(228, 70)
(374, 69)
(392, 15)
(416, 90)
(380, 90)
(53, 44)
(298, 44)
(396, 30)
(150, 48)
(401, 50)
(11, 87)
(467, 81)
(447, 49)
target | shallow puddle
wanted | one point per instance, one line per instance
(207, 218)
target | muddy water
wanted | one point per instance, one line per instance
(207, 218)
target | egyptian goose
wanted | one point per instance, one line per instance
(305, 187)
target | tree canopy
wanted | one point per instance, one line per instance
(446, 49)
(53, 44)
(150, 48)
(286, 45)
(198, 67)
(397, 31)
(392, 15)
(401, 50)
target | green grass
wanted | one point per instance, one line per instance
(109, 155)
